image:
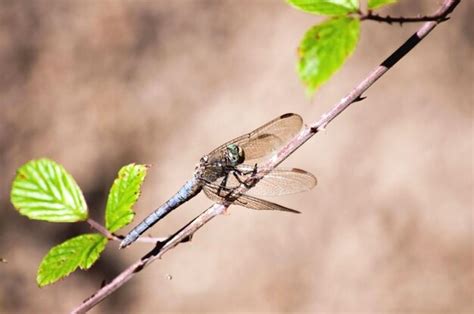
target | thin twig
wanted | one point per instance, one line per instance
(111, 236)
(370, 16)
(187, 231)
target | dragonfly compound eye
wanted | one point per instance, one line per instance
(235, 154)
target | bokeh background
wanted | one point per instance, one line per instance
(95, 85)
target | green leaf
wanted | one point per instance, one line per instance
(44, 190)
(81, 251)
(123, 195)
(324, 49)
(375, 4)
(326, 7)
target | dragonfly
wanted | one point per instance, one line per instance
(226, 168)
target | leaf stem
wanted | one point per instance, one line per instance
(111, 236)
(97, 226)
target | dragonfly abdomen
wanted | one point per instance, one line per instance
(190, 189)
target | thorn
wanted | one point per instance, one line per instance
(444, 19)
(359, 98)
(322, 127)
(159, 246)
(188, 238)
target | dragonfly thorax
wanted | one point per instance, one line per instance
(213, 166)
(235, 154)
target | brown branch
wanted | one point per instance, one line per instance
(370, 16)
(187, 231)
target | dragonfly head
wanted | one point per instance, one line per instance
(203, 162)
(204, 159)
(235, 154)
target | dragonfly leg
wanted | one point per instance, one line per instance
(248, 186)
(254, 171)
(223, 183)
(220, 188)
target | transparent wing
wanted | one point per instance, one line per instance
(263, 141)
(246, 200)
(259, 204)
(278, 182)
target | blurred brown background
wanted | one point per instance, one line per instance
(95, 85)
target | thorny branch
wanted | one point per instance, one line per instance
(187, 231)
(370, 16)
